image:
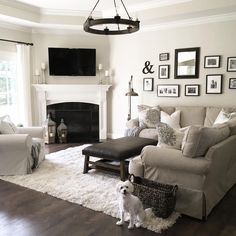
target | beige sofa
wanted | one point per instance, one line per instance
(16, 150)
(202, 181)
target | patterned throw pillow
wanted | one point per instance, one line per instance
(149, 117)
(169, 137)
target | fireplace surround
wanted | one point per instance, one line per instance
(48, 94)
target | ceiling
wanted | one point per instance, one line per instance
(36, 15)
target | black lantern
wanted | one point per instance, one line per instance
(62, 132)
(50, 128)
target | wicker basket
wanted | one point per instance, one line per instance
(160, 197)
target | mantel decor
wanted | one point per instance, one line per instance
(187, 63)
(117, 24)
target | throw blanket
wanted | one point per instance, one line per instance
(35, 150)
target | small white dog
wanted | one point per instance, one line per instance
(128, 203)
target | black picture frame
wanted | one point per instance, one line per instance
(214, 84)
(164, 72)
(231, 64)
(164, 56)
(232, 83)
(212, 61)
(148, 84)
(192, 90)
(187, 62)
(168, 90)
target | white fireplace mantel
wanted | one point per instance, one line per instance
(57, 93)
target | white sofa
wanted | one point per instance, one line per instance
(203, 181)
(16, 149)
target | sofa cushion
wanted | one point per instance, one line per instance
(211, 114)
(191, 115)
(168, 110)
(232, 126)
(224, 117)
(172, 120)
(149, 117)
(7, 126)
(199, 139)
(169, 137)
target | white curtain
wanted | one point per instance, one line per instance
(24, 84)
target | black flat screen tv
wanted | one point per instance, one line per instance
(72, 61)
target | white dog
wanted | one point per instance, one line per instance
(128, 203)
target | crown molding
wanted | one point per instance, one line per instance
(11, 26)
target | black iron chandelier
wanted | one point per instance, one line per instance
(118, 24)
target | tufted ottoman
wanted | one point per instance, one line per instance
(114, 150)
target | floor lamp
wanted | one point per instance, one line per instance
(130, 94)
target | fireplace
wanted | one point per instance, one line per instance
(91, 94)
(81, 119)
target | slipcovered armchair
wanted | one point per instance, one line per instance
(21, 151)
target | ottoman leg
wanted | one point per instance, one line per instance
(86, 164)
(122, 171)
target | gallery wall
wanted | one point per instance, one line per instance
(129, 54)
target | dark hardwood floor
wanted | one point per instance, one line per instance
(25, 212)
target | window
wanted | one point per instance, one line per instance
(8, 84)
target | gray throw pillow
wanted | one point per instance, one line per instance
(169, 137)
(199, 139)
(149, 117)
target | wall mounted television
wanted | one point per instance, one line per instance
(72, 61)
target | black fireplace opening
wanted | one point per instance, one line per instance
(81, 119)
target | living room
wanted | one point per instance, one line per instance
(166, 27)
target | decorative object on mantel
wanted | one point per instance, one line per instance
(147, 69)
(130, 94)
(37, 76)
(50, 130)
(231, 64)
(100, 68)
(43, 68)
(117, 24)
(107, 77)
(62, 132)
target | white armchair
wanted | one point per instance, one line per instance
(16, 149)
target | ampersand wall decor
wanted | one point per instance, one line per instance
(147, 68)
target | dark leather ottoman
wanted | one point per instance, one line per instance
(115, 150)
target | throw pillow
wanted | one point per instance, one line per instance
(224, 117)
(172, 120)
(6, 125)
(199, 139)
(169, 137)
(232, 126)
(145, 107)
(149, 117)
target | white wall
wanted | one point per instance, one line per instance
(129, 53)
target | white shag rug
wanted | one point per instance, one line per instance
(61, 175)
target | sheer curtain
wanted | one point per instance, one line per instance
(24, 84)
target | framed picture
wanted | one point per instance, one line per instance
(164, 71)
(168, 90)
(187, 63)
(232, 83)
(192, 90)
(148, 84)
(212, 62)
(231, 64)
(214, 84)
(164, 56)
